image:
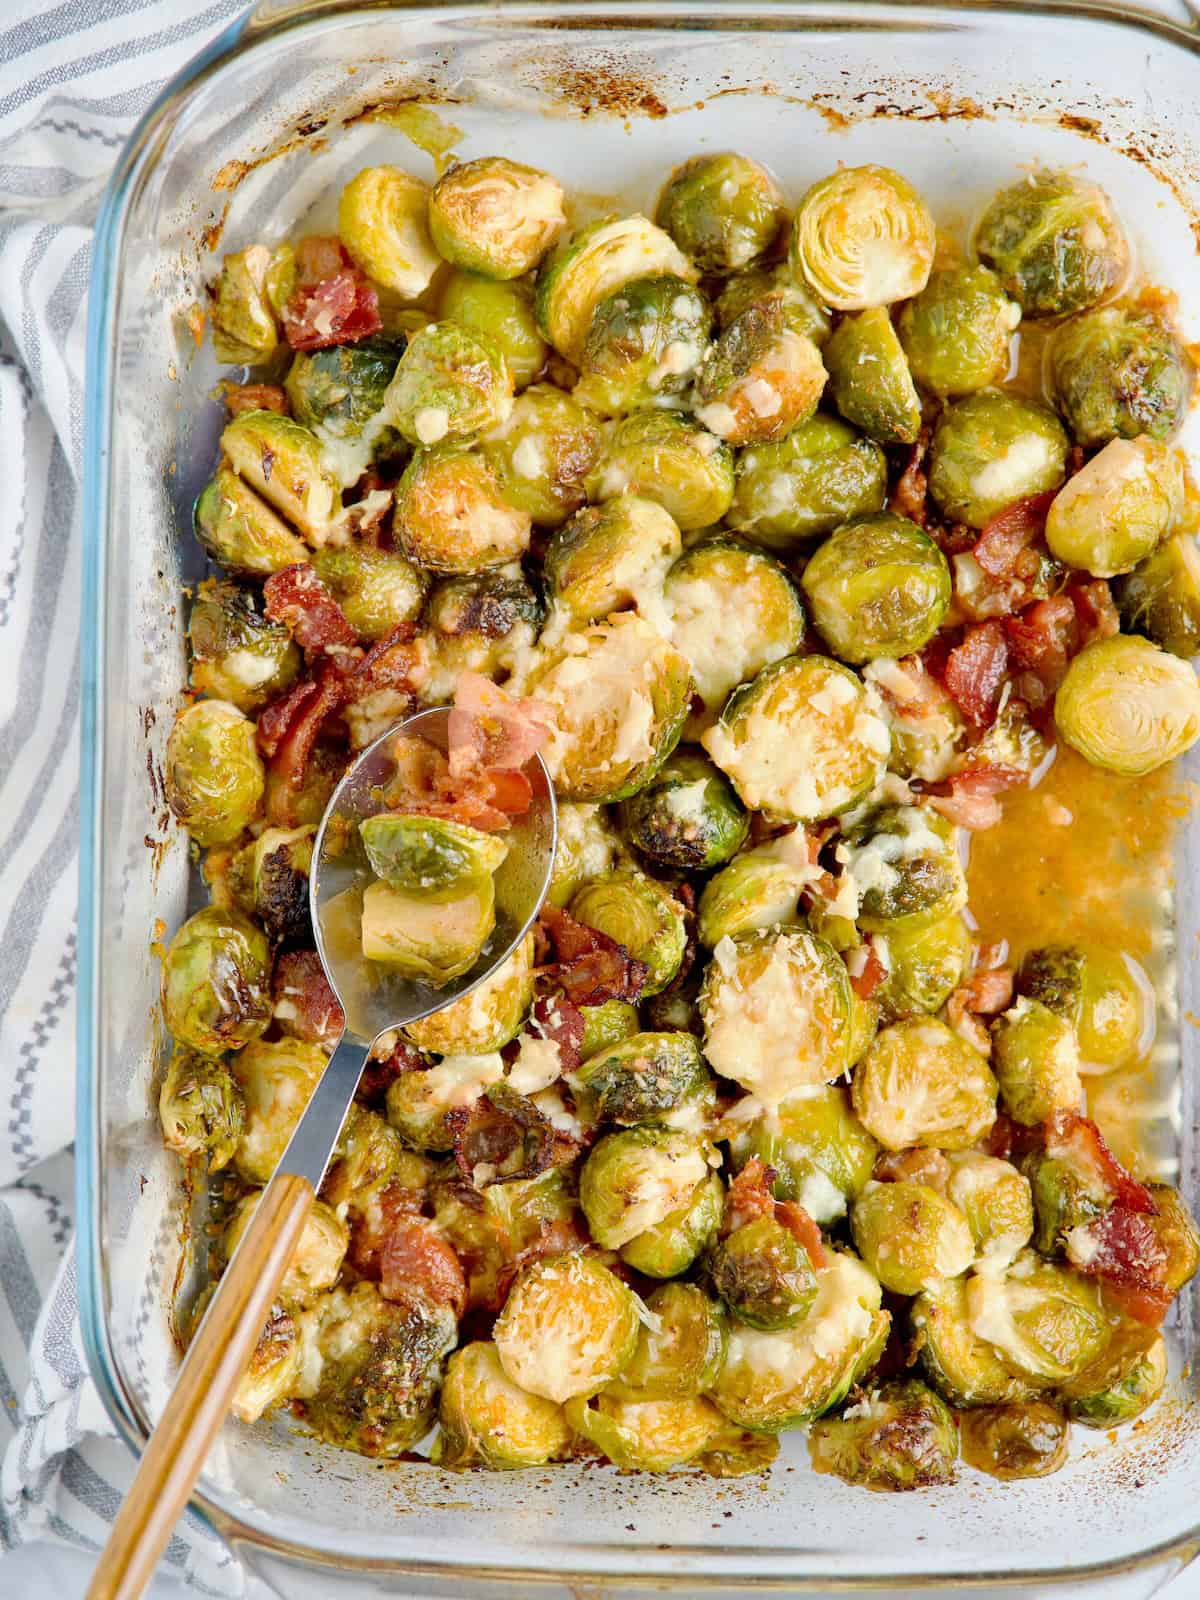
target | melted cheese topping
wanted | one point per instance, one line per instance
(837, 1325)
(1007, 477)
(655, 1182)
(460, 1080)
(537, 1065)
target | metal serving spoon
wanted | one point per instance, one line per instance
(374, 1000)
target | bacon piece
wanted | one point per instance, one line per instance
(369, 1229)
(999, 547)
(381, 1072)
(506, 1134)
(305, 1005)
(418, 1267)
(1095, 609)
(1041, 641)
(910, 496)
(555, 1017)
(866, 982)
(337, 310)
(1079, 1141)
(241, 397)
(968, 799)
(975, 671)
(804, 1230)
(590, 967)
(488, 729)
(1122, 1248)
(392, 662)
(966, 1023)
(296, 597)
(749, 1196)
(287, 732)
(918, 1165)
(989, 991)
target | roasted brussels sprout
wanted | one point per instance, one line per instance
(1116, 373)
(785, 1378)
(869, 380)
(991, 449)
(821, 475)
(245, 326)
(450, 384)
(237, 655)
(863, 237)
(417, 1102)
(543, 452)
(274, 1369)
(427, 939)
(316, 1259)
(598, 562)
(370, 1158)
(591, 264)
(380, 1376)
(1131, 1384)
(489, 1421)
(1023, 1439)
(680, 1347)
(606, 1025)
(216, 988)
(821, 1153)
(634, 1179)
(1176, 1230)
(900, 1436)
(920, 1084)
(1117, 508)
(432, 856)
(269, 879)
(643, 1077)
(495, 216)
(642, 915)
(283, 462)
(1035, 1056)
(478, 622)
(758, 889)
(804, 740)
(1044, 1321)
(587, 848)
(1054, 243)
(501, 314)
(618, 694)
(910, 1236)
(1099, 992)
(667, 1248)
(763, 1274)
(926, 962)
(665, 457)
(340, 389)
(303, 805)
(996, 1201)
(776, 1011)
(647, 1435)
(486, 1018)
(200, 1108)
(568, 1328)
(240, 530)
(926, 724)
(1161, 597)
(958, 1361)
(451, 513)
(277, 1079)
(687, 816)
(644, 344)
(904, 861)
(376, 589)
(878, 586)
(802, 311)
(214, 777)
(760, 379)
(383, 222)
(957, 331)
(1128, 706)
(724, 211)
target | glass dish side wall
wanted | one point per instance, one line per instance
(609, 102)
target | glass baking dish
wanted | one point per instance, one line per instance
(257, 134)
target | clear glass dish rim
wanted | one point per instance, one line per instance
(135, 159)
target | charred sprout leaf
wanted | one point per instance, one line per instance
(821, 475)
(452, 514)
(284, 463)
(495, 216)
(341, 388)
(688, 816)
(478, 622)
(1117, 508)
(274, 1369)
(200, 1108)
(763, 1274)
(544, 453)
(665, 457)
(216, 982)
(599, 561)
(899, 1436)
(878, 586)
(920, 1084)
(1160, 598)
(957, 331)
(905, 862)
(1128, 706)
(489, 1421)
(760, 379)
(1023, 1439)
(680, 1348)
(237, 654)
(502, 314)
(1054, 242)
(568, 1328)
(869, 380)
(269, 880)
(992, 449)
(214, 777)
(383, 223)
(430, 940)
(242, 532)
(643, 1077)
(449, 384)
(644, 345)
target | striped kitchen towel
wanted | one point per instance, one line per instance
(75, 76)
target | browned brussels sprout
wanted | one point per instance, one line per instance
(724, 211)
(1054, 242)
(898, 1436)
(1023, 1439)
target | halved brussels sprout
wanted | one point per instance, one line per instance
(427, 939)
(910, 1236)
(240, 530)
(804, 740)
(482, 622)
(783, 1379)
(383, 221)
(643, 1077)
(1133, 1385)
(430, 856)
(687, 816)
(1023, 1439)
(245, 327)
(618, 694)
(925, 963)
(340, 389)
(1035, 1056)
(957, 331)
(214, 777)
(1117, 508)
(606, 1025)
(451, 513)
(996, 1201)
(960, 1364)
(1045, 1322)
(591, 264)
(237, 654)
(600, 560)
(680, 1347)
(905, 864)
(417, 1102)
(642, 915)
(502, 314)
(763, 1274)
(1116, 373)
(776, 1011)
(269, 879)
(449, 384)
(317, 1257)
(277, 1079)
(757, 285)
(901, 1436)
(544, 453)
(216, 982)
(1176, 1230)
(760, 379)
(863, 237)
(369, 1159)
(495, 216)
(486, 1018)
(724, 211)
(869, 380)
(275, 1367)
(821, 475)
(634, 1179)
(647, 1435)
(665, 457)
(671, 1246)
(568, 1327)
(1055, 243)
(821, 1153)
(644, 345)
(1128, 706)
(732, 611)
(489, 1421)
(758, 889)
(992, 449)
(586, 848)
(1161, 597)
(920, 1084)
(200, 1108)
(381, 1372)
(879, 586)
(376, 589)
(1102, 994)
(284, 462)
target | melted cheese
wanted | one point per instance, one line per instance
(654, 1182)
(460, 1080)
(1007, 477)
(537, 1065)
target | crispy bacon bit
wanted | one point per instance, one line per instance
(305, 1005)
(241, 397)
(369, 1229)
(504, 1136)
(488, 729)
(1041, 640)
(296, 597)
(999, 547)
(1095, 609)
(590, 967)
(749, 1196)
(391, 663)
(555, 1017)
(909, 497)
(1123, 1248)
(966, 1023)
(975, 670)
(381, 1072)
(873, 973)
(989, 991)
(918, 1165)
(287, 732)
(1077, 1139)
(418, 1267)
(338, 310)
(804, 1230)
(968, 799)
